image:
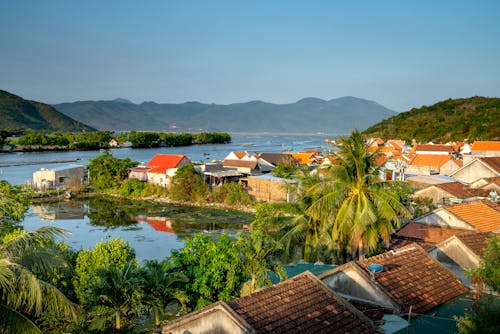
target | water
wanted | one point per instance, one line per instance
(259, 144)
(153, 230)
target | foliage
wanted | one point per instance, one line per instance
(488, 272)
(136, 188)
(13, 203)
(66, 140)
(286, 170)
(23, 295)
(107, 172)
(485, 318)
(155, 139)
(187, 185)
(421, 205)
(211, 138)
(213, 269)
(105, 254)
(117, 291)
(451, 120)
(144, 139)
(231, 194)
(259, 254)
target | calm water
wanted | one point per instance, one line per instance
(259, 144)
(153, 230)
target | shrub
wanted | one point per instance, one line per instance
(231, 194)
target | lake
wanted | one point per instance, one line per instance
(152, 229)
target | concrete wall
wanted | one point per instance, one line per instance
(476, 170)
(443, 218)
(437, 194)
(46, 179)
(454, 252)
(266, 190)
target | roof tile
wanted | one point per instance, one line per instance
(428, 233)
(166, 161)
(481, 216)
(434, 160)
(485, 146)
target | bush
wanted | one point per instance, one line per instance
(132, 188)
(187, 185)
(231, 194)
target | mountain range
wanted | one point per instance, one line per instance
(309, 115)
(18, 114)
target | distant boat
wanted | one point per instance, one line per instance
(246, 144)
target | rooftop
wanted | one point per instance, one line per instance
(493, 163)
(166, 161)
(433, 148)
(477, 242)
(485, 146)
(481, 216)
(456, 189)
(428, 233)
(432, 160)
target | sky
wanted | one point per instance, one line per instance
(401, 54)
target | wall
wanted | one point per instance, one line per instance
(266, 190)
(476, 170)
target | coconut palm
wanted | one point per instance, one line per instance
(159, 289)
(118, 291)
(257, 251)
(23, 296)
(356, 209)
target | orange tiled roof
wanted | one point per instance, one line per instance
(431, 160)
(428, 233)
(241, 154)
(485, 146)
(302, 304)
(380, 160)
(479, 215)
(303, 158)
(166, 161)
(414, 278)
(396, 143)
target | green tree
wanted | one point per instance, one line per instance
(162, 287)
(23, 296)
(213, 269)
(485, 315)
(104, 255)
(187, 185)
(13, 203)
(259, 254)
(107, 172)
(357, 210)
(144, 139)
(118, 292)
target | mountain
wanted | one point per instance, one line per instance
(450, 120)
(17, 113)
(309, 115)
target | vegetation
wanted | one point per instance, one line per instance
(65, 140)
(108, 172)
(155, 139)
(187, 185)
(485, 314)
(19, 114)
(454, 119)
(231, 194)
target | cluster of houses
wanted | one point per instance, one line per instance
(422, 270)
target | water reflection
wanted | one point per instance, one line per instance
(152, 229)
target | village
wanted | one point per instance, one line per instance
(423, 269)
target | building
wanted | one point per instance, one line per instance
(429, 164)
(485, 148)
(477, 169)
(451, 192)
(433, 149)
(160, 169)
(61, 178)
(269, 188)
(302, 304)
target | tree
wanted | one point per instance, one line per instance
(259, 257)
(118, 291)
(107, 172)
(187, 185)
(23, 296)
(160, 287)
(485, 315)
(115, 253)
(357, 210)
(13, 203)
(213, 269)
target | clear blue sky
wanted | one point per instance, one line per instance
(400, 53)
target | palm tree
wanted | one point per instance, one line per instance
(119, 293)
(356, 209)
(257, 252)
(159, 288)
(23, 296)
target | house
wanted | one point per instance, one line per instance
(425, 236)
(400, 279)
(478, 168)
(277, 158)
(461, 252)
(424, 181)
(429, 164)
(63, 177)
(478, 216)
(307, 158)
(162, 167)
(240, 155)
(485, 148)
(243, 167)
(269, 188)
(432, 149)
(302, 304)
(450, 192)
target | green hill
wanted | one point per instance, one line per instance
(450, 120)
(18, 114)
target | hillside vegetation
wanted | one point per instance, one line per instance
(18, 114)
(451, 120)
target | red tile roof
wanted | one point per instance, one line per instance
(483, 217)
(433, 148)
(431, 160)
(455, 189)
(493, 162)
(428, 233)
(485, 146)
(414, 278)
(166, 161)
(477, 242)
(302, 304)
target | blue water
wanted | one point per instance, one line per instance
(197, 153)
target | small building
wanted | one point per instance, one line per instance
(485, 148)
(449, 193)
(424, 235)
(160, 169)
(429, 164)
(269, 188)
(61, 178)
(299, 305)
(398, 280)
(478, 168)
